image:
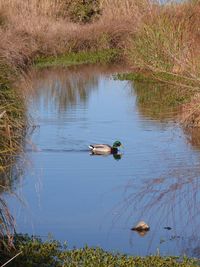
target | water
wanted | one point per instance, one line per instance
(95, 200)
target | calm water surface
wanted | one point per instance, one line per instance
(95, 200)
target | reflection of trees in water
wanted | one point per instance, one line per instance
(193, 137)
(67, 87)
(11, 176)
(161, 102)
(6, 219)
(9, 181)
(158, 101)
(6, 224)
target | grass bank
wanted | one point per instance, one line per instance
(34, 252)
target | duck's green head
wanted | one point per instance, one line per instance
(117, 144)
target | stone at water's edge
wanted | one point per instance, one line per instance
(141, 226)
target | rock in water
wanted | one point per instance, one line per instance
(141, 226)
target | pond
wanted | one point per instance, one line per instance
(67, 193)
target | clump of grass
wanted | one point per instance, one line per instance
(12, 119)
(166, 42)
(11, 127)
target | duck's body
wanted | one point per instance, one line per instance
(104, 149)
(101, 149)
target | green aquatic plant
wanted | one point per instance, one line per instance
(35, 252)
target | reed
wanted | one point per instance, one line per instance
(167, 41)
(7, 227)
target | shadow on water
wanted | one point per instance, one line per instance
(193, 137)
(165, 188)
(159, 101)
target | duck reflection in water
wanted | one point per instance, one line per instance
(116, 156)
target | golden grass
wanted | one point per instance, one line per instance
(34, 27)
(32, 7)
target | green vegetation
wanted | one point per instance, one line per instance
(161, 77)
(12, 119)
(104, 56)
(51, 253)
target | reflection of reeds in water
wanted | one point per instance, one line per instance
(67, 87)
(159, 101)
(6, 225)
(193, 137)
(171, 199)
(8, 180)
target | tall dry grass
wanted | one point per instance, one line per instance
(38, 27)
(169, 41)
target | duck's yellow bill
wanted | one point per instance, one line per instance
(122, 146)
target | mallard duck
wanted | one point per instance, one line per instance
(103, 149)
